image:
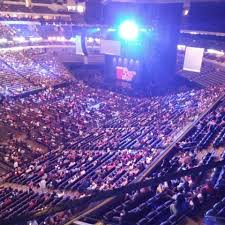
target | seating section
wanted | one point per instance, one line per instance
(219, 59)
(37, 30)
(15, 202)
(211, 73)
(86, 159)
(50, 30)
(198, 41)
(19, 73)
(147, 208)
(22, 8)
(208, 132)
(98, 140)
(218, 211)
(83, 171)
(24, 30)
(11, 82)
(27, 68)
(45, 1)
(119, 122)
(170, 202)
(48, 61)
(6, 32)
(16, 153)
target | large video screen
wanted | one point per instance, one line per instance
(123, 73)
(126, 69)
(193, 59)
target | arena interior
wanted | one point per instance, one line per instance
(112, 112)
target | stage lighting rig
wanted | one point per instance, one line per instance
(128, 30)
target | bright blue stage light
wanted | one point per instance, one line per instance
(128, 30)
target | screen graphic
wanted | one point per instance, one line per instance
(122, 73)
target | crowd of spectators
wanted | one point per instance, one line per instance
(16, 153)
(24, 30)
(169, 202)
(20, 73)
(6, 32)
(16, 202)
(100, 170)
(23, 9)
(101, 140)
(77, 123)
(27, 68)
(39, 30)
(11, 82)
(86, 118)
(83, 171)
(34, 34)
(216, 58)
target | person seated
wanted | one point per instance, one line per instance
(180, 206)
